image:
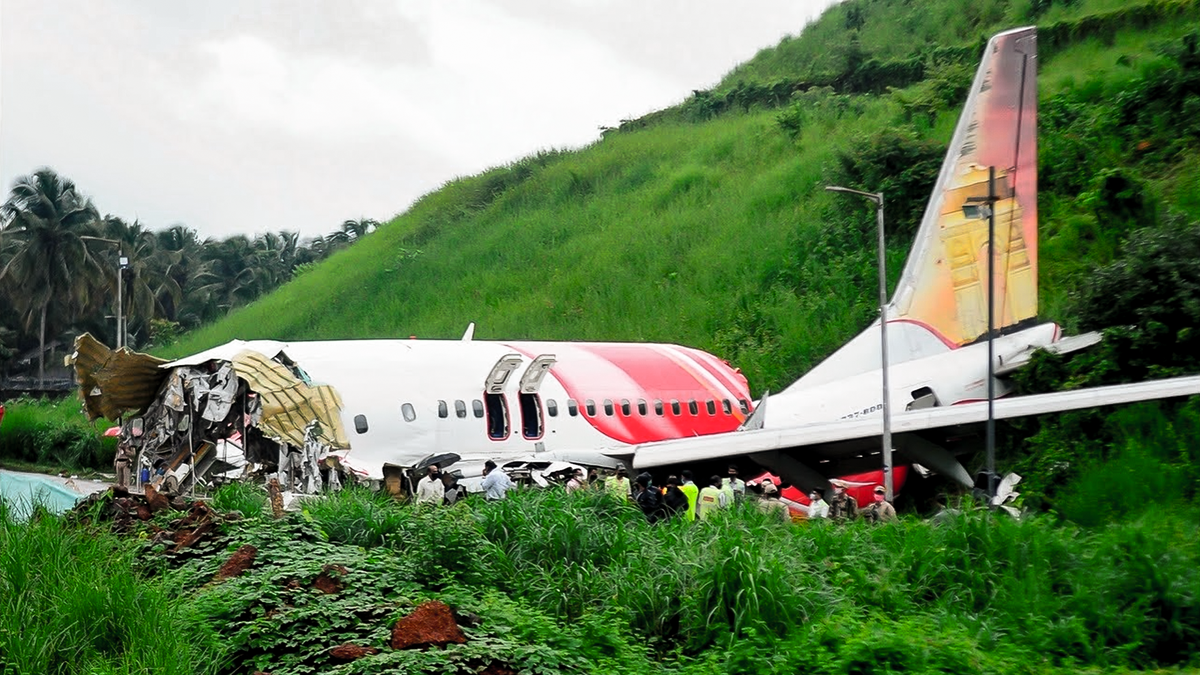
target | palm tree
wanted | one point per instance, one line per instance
(351, 231)
(45, 222)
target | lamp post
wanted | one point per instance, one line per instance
(122, 265)
(877, 197)
(983, 207)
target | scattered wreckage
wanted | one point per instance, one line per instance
(236, 414)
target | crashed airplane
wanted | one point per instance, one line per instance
(315, 412)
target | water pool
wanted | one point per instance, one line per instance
(22, 490)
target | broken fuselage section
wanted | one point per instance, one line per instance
(226, 413)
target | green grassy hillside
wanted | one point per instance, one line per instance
(710, 228)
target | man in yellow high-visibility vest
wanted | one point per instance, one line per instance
(712, 498)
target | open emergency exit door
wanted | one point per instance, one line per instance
(532, 423)
(495, 404)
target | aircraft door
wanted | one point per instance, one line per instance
(495, 405)
(532, 423)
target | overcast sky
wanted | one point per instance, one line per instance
(253, 115)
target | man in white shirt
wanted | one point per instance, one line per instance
(495, 483)
(817, 507)
(430, 489)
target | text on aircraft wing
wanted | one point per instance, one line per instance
(812, 437)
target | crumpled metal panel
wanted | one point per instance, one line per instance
(289, 404)
(114, 382)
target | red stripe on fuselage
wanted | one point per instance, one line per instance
(633, 372)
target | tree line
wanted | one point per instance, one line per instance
(61, 264)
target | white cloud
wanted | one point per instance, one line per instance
(249, 116)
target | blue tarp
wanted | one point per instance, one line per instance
(21, 491)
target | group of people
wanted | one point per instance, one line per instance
(439, 487)
(683, 498)
(680, 497)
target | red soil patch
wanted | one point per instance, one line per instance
(349, 652)
(238, 563)
(431, 623)
(329, 581)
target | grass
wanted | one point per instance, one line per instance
(69, 603)
(581, 583)
(52, 435)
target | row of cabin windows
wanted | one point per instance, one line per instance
(610, 407)
(497, 425)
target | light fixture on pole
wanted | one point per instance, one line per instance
(977, 208)
(122, 265)
(877, 197)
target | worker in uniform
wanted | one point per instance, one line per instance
(712, 498)
(692, 492)
(121, 462)
(881, 510)
(842, 506)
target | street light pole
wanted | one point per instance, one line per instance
(991, 304)
(877, 197)
(120, 298)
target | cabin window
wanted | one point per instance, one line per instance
(658, 407)
(693, 408)
(590, 406)
(408, 412)
(443, 410)
(497, 416)
(625, 407)
(531, 415)
(460, 409)
(477, 406)
(727, 407)
(675, 408)
(551, 407)
(712, 407)
(608, 407)
(642, 406)
(572, 407)
(360, 423)
(745, 406)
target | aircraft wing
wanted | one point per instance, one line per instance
(925, 436)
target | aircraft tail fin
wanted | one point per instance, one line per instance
(944, 284)
(940, 302)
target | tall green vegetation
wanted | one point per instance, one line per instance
(552, 582)
(47, 223)
(59, 267)
(69, 603)
(50, 434)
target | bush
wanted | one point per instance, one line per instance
(54, 433)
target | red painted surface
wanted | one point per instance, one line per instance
(649, 372)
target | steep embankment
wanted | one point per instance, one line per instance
(706, 224)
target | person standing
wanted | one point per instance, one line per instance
(121, 462)
(454, 492)
(430, 489)
(618, 485)
(692, 493)
(817, 507)
(496, 483)
(648, 498)
(735, 488)
(842, 506)
(675, 502)
(769, 502)
(712, 498)
(576, 482)
(881, 510)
